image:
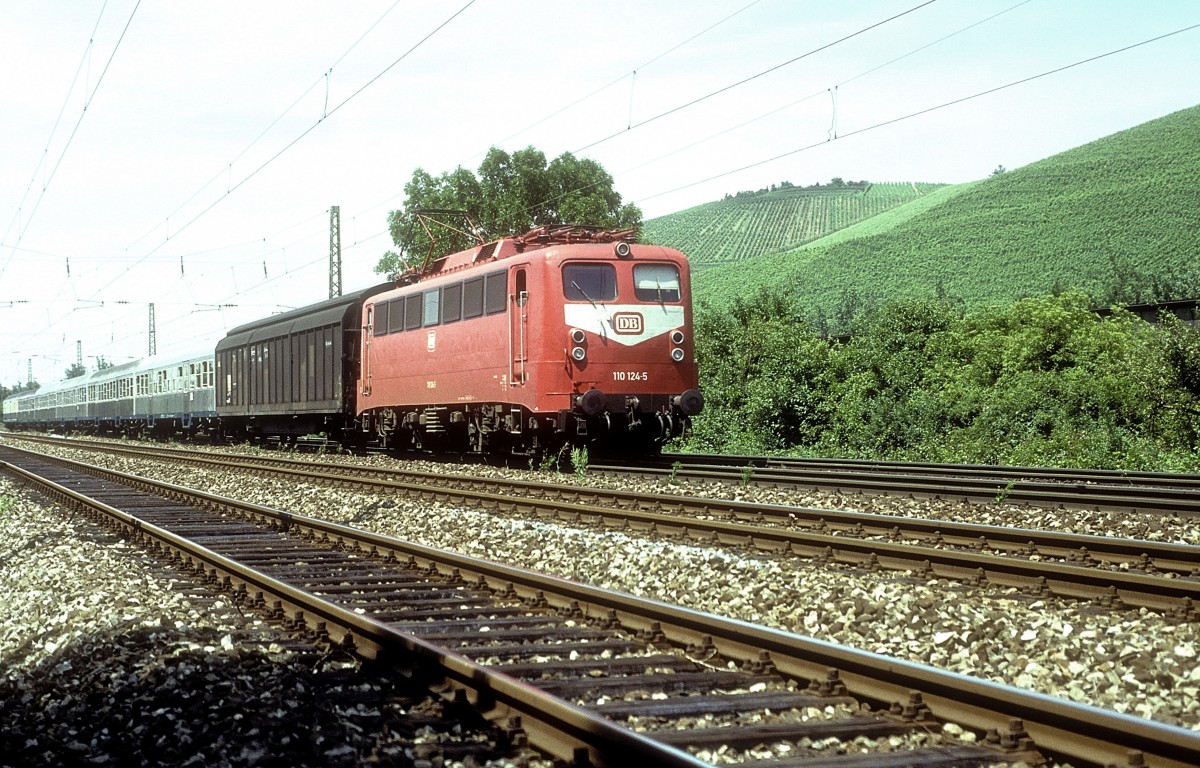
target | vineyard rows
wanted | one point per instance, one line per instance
(1116, 220)
(741, 228)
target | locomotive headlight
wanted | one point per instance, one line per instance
(578, 354)
(677, 355)
(622, 250)
(578, 336)
(677, 336)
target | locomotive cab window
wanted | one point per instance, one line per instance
(656, 282)
(590, 282)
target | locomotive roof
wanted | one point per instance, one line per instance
(534, 239)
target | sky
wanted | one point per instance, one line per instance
(187, 154)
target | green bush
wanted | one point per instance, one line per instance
(1040, 382)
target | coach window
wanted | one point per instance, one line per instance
(656, 282)
(590, 282)
(432, 307)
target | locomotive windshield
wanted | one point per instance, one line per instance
(590, 282)
(656, 282)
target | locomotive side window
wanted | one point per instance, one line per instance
(495, 292)
(396, 315)
(432, 307)
(656, 282)
(380, 321)
(413, 312)
(472, 298)
(590, 282)
(452, 303)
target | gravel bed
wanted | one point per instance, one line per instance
(132, 671)
(1152, 527)
(1131, 661)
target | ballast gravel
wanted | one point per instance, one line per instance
(1131, 661)
(104, 661)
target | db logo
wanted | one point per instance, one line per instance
(628, 323)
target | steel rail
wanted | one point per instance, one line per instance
(998, 472)
(555, 726)
(1183, 559)
(953, 486)
(1116, 490)
(722, 523)
(1057, 726)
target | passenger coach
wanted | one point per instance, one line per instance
(164, 395)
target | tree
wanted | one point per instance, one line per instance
(75, 371)
(102, 364)
(512, 193)
(999, 170)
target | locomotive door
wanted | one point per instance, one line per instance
(367, 334)
(518, 352)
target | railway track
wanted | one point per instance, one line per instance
(1040, 486)
(1138, 573)
(582, 667)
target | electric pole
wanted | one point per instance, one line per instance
(153, 340)
(335, 251)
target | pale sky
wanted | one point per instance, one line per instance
(216, 135)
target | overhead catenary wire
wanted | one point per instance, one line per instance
(384, 232)
(582, 99)
(748, 79)
(924, 111)
(227, 168)
(632, 73)
(815, 94)
(732, 86)
(297, 139)
(319, 261)
(751, 78)
(87, 103)
(57, 120)
(70, 284)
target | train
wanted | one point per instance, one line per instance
(563, 336)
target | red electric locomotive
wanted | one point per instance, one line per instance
(563, 335)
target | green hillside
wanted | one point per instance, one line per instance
(768, 221)
(1117, 219)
